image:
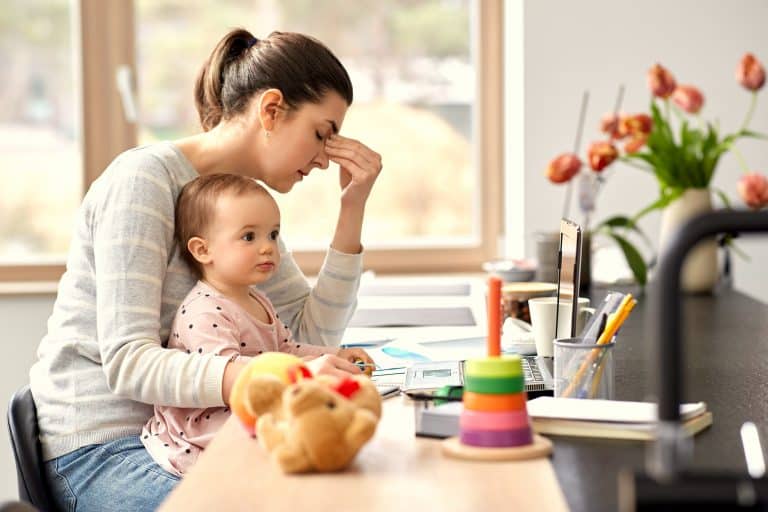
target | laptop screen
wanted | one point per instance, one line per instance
(568, 269)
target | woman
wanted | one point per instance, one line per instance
(270, 109)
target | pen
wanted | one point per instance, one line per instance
(603, 319)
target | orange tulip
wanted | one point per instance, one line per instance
(634, 125)
(634, 144)
(563, 168)
(750, 73)
(660, 81)
(688, 98)
(609, 125)
(601, 154)
(753, 189)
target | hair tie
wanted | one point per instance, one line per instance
(252, 42)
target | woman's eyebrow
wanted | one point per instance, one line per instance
(333, 125)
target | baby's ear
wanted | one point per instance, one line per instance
(198, 248)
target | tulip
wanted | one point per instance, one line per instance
(563, 168)
(688, 98)
(660, 81)
(609, 125)
(750, 73)
(634, 125)
(634, 144)
(601, 154)
(753, 189)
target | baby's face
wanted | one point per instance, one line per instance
(243, 239)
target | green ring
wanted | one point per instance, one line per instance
(504, 366)
(494, 385)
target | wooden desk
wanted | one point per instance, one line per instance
(395, 471)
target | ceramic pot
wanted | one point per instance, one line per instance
(699, 273)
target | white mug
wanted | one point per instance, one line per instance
(543, 321)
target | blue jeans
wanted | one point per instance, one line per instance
(118, 475)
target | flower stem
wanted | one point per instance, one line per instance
(750, 112)
(567, 205)
(740, 158)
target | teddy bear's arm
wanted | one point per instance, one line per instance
(361, 429)
(269, 432)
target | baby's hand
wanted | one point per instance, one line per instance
(336, 366)
(360, 358)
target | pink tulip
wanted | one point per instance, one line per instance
(753, 189)
(563, 168)
(660, 81)
(688, 98)
(601, 154)
(750, 73)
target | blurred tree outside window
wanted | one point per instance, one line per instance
(41, 163)
(412, 68)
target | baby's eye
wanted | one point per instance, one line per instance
(274, 234)
(249, 236)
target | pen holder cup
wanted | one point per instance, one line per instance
(584, 370)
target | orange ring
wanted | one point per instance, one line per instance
(490, 403)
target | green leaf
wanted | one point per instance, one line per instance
(667, 196)
(633, 257)
(723, 197)
(621, 221)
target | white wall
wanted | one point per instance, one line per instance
(568, 47)
(23, 320)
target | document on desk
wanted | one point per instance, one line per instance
(413, 317)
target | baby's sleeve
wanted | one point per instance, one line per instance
(287, 343)
(207, 331)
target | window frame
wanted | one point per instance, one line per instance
(107, 41)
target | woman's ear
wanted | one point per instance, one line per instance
(198, 247)
(270, 105)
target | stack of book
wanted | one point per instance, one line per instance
(612, 419)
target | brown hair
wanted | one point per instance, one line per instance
(301, 67)
(196, 207)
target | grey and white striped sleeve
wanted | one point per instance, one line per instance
(132, 234)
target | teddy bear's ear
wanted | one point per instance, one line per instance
(262, 393)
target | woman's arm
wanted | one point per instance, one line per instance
(132, 232)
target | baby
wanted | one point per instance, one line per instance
(227, 227)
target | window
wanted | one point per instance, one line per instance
(41, 165)
(427, 77)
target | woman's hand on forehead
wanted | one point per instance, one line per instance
(359, 164)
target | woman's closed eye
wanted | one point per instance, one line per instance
(319, 136)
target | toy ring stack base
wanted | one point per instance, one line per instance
(540, 447)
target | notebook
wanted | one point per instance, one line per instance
(612, 419)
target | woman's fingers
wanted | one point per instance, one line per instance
(353, 150)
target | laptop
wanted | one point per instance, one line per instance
(422, 380)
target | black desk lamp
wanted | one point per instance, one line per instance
(669, 484)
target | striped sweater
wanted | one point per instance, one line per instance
(100, 367)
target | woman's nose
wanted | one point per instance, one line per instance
(321, 160)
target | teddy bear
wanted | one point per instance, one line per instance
(306, 423)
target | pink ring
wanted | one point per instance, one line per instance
(484, 420)
(496, 438)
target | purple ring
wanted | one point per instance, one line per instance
(497, 438)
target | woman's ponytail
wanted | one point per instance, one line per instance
(210, 79)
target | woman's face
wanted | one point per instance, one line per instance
(294, 143)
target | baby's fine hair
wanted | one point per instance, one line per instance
(196, 206)
(241, 65)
